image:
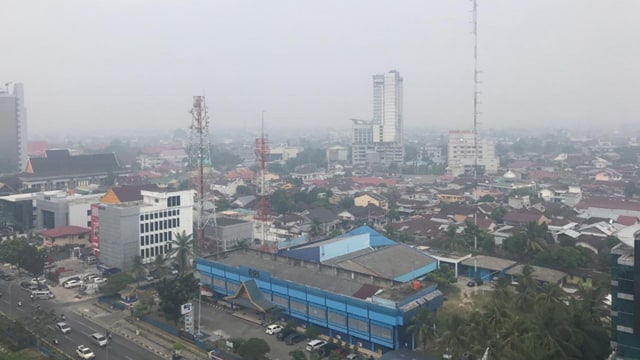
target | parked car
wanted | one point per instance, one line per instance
(284, 333)
(6, 277)
(274, 329)
(36, 281)
(99, 280)
(328, 348)
(316, 344)
(149, 277)
(476, 282)
(295, 338)
(85, 353)
(63, 327)
(71, 284)
(353, 357)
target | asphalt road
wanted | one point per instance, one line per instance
(118, 348)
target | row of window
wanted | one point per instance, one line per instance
(159, 215)
(156, 238)
(152, 252)
(160, 225)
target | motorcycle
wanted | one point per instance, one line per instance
(55, 342)
(19, 303)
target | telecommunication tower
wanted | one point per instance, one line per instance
(262, 213)
(199, 159)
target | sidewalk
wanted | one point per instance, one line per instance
(140, 333)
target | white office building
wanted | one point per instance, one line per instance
(381, 140)
(462, 154)
(13, 129)
(145, 228)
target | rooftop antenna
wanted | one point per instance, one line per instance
(262, 215)
(475, 138)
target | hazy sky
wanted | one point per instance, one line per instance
(133, 64)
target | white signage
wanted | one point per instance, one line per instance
(185, 308)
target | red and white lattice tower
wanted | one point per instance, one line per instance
(199, 159)
(262, 213)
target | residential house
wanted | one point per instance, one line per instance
(607, 207)
(327, 219)
(517, 218)
(541, 274)
(370, 214)
(65, 235)
(371, 198)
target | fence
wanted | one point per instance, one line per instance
(113, 302)
(160, 325)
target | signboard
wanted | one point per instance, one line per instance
(95, 229)
(186, 308)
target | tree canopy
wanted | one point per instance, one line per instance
(117, 283)
(254, 349)
(173, 292)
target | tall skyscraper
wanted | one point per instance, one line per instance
(13, 129)
(380, 140)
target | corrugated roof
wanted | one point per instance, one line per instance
(64, 231)
(128, 193)
(58, 162)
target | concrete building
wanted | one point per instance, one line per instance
(146, 227)
(59, 208)
(349, 287)
(336, 155)
(625, 289)
(13, 130)
(229, 232)
(381, 139)
(462, 154)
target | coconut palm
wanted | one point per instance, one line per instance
(550, 293)
(423, 326)
(159, 268)
(137, 267)
(454, 241)
(535, 234)
(182, 248)
(454, 335)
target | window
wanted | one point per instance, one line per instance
(173, 201)
(141, 240)
(146, 252)
(298, 306)
(89, 212)
(146, 239)
(88, 224)
(278, 300)
(146, 227)
(381, 331)
(141, 228)
(220, 283)
(358, 325)
(317, 312)
(142, 253)
(337, 319)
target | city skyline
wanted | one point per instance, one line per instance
(136, 66)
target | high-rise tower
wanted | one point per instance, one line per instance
(380, 140)
(13, 129)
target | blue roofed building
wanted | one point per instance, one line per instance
(359, 287)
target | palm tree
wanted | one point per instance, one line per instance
(137, 267)
(535, 237)
(182, 248)
(452, 237)
(423, 326)
(316, 227)
(159, 269)
(454, 335)
(550, 293)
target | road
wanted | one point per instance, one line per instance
(119, 348)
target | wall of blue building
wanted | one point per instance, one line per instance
(354, 320)
(343, 246)
(417, 273)
(628, 345)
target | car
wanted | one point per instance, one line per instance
(99, 339)
(71, 284)
(327, 349)
(149, 277)
(84, 352)
(274, 329)
(90, 277)
(284, 333)
(174, 272)
(63, 327)
(316, 344)
(295, 338)
(353, 357)
(99, 280)
(6, 277)
(476, 282)
(37, 281)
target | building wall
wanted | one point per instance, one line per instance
(625, 335)
(356, 321)
(462, 154)
(80, 214)
(57, 208)
(230, 235)
(343, 247)
(119, 235)
(13, 130)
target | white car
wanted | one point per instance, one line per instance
(37, 281)
(72, 283)
(274, 329)
(149, 277)
(85, 353)
(99, 280)
(63, 327)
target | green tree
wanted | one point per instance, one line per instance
(244, 190)
(158, 267)
(254, 349)
(498, 214)
(486, 199)
(453, 240)
(137, 268)
(631, 189)
(297, 355)
(182, 248)
(10, 251)
(173, 292)
(423, 327)
(116, 283)
(316, 228)
(223, 205)
(281, 202)
(32, 260)
(393, 215)
(535, 236)
(442, 276)
(312, 332)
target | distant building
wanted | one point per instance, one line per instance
(145, 227)
(625, 291)
(59, 170)
(462, 154)
(13, 130)
(381, 139)
(59, 208)
(336, 155)
(229, 232)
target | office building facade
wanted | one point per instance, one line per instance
(13, 130)
(462, 154)
(146, 228)
(381, 140)
(625, 288)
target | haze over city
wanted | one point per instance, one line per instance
(136, 65)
